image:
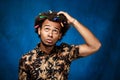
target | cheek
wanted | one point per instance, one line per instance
(43, 35)
(57, 37)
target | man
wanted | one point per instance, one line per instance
(49, 61)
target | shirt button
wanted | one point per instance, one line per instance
(52, 77)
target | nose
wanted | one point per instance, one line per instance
(50, 34)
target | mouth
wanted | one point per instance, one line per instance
(49, 41)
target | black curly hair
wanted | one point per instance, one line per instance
(52, 16)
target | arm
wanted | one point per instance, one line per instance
(22, 70)
(92, 43)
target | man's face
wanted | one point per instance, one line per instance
(50, 32)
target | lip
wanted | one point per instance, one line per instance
(49, 40)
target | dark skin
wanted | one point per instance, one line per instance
(50, 34)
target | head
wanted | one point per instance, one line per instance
(51, 27)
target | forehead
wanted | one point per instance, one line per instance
(51, 23)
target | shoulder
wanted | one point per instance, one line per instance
(70, 51)
(63, 45)
(69, 46)
(27, 57)
(30, 53)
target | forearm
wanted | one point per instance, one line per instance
(87, 35)
(92, 44)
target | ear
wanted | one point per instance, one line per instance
(60, 36)
(39, 30)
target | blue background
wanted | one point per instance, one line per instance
(102, 17)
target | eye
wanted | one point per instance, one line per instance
(46, 29)
(56, 31)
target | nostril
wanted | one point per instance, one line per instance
(50, 34)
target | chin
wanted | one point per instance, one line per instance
(48, 44)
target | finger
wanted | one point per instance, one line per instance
(61, 12)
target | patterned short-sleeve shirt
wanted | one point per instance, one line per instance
(36, 65)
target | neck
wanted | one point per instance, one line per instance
(45, 48)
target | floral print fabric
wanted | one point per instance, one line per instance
(37, 65)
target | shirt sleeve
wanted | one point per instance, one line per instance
(23, 72)
(71, 51)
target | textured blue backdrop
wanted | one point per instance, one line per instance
(102, 17)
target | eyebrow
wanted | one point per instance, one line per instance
(50, 26)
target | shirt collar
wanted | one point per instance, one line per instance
(55, 50)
